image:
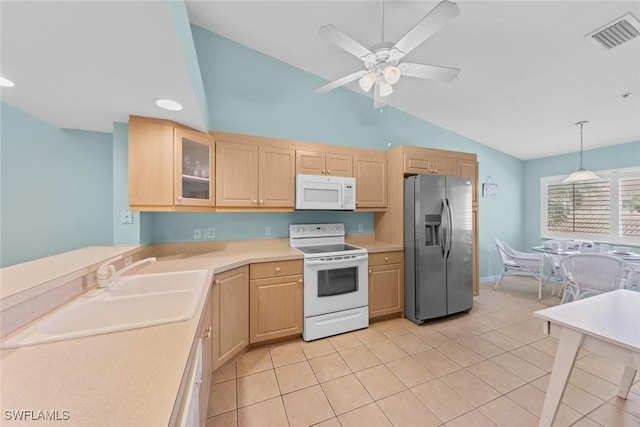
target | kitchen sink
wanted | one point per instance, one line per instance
(158, 282)
(133, 302)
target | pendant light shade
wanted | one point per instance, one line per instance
(581, 175)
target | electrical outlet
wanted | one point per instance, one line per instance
(360, 228)
(197, 233)
(128, 260)
(126, 216)
(209, 233)
(267, 231)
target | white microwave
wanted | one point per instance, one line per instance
(319, 192)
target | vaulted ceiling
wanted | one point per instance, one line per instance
(527, 71)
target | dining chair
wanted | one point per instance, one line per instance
(556, 272)
(592, 274)
(517, 263)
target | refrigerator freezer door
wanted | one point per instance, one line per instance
(431, 266)
(459, 271)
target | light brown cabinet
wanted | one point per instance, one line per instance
(206, 330)
(276, 293)
(170, 166)
(469, 169)
(424, 161)
(321, 163)
(475, 251)
(230, 314)
(371, 180)
(248, 175)
(386, 284)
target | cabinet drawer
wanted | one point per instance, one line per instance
(383, 258)
(275, 269)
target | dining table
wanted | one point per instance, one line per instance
(625, 255)
(605, 324)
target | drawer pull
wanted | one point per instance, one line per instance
(277, 269)
(218, 282)
(370, 271)
(300, 281)
(386, 258)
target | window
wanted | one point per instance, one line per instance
(604, 211)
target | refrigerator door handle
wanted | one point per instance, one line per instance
(442, 230)
(450, 226)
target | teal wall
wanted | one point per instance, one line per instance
(282, 104)
(617, 156)
(56, 188)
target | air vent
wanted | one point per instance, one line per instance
(615, 33)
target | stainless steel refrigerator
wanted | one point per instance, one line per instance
(438, 276)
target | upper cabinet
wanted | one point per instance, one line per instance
(371, 180)
(321, 163)
(469, 169)
(170, 166)
(424, 161)
(249, 175)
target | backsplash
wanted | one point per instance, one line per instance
(171, 227)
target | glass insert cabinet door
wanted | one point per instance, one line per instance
(194, 174)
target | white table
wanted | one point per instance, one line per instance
(606, 324)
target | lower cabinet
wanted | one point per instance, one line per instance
(275, 300)
(207, 342)
(230, 314)
(386, 284)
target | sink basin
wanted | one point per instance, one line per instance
(157, 282)
(134, 302)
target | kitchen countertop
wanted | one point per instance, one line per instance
(122, 377)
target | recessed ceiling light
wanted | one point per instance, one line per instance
(168, 104)
(6, 82)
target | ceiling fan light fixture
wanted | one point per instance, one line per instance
(391, 74)
(385, 88)
(581, 175)
(367, 81)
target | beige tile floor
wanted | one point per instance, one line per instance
(489, 367)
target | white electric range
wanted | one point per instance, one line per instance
(336, 288)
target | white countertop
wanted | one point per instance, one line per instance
(122, 378)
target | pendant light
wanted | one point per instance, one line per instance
(581, 174)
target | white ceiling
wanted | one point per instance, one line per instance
(527, 72)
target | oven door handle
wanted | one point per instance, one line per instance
(358, 258)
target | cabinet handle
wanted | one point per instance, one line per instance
(262, 202)
(207, 332)
(179, 199)
(255, 202)
(386, 258)
(323, 172)
(277, 269)
(218, 282)
(328, 172)
(370, 271)
(300, 281)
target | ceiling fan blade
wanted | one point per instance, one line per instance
(342, 40)
(439, 16)
(433, 72)
(341, 82)
(379, 101)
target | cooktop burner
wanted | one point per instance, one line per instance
(319, 249)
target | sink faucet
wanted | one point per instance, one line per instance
(120, 272)
(106, 273)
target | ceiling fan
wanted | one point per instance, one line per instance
(382, 62)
